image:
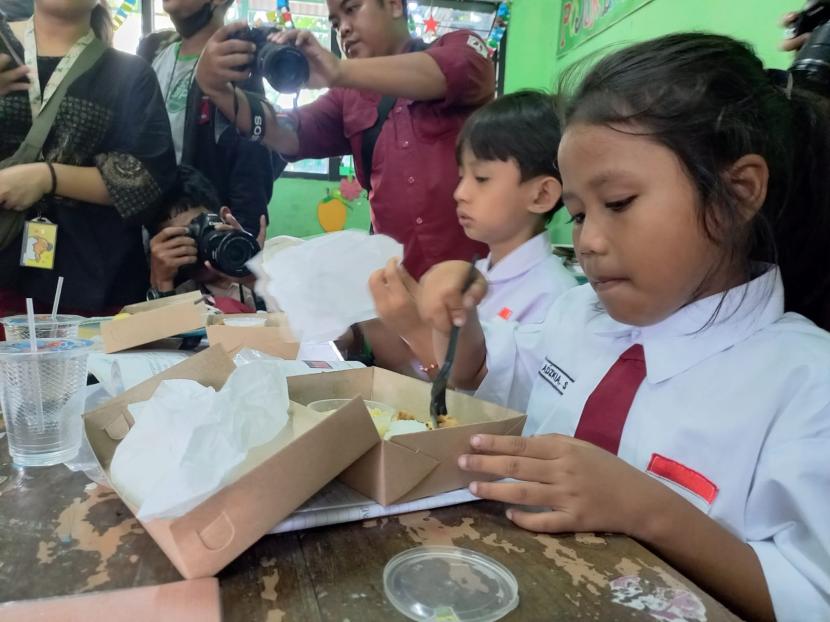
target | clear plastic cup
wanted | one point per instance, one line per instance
(61, 327)
(42, 398)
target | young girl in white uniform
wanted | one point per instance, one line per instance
(509, 187)
(696, 389)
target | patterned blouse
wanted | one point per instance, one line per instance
(113, 118)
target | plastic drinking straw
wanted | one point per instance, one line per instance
(33, 347)
(32, 336)
(57, 299)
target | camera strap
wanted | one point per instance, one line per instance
(257, 117)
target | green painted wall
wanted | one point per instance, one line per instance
(293, 208)
(532, 63)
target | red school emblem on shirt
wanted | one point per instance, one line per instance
(682, 475)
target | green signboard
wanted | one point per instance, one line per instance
(582, 19)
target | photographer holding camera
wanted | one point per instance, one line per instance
(808, 35)
(198, 246)
(408, 164)
(243, 173)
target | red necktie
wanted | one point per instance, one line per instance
(607, 407)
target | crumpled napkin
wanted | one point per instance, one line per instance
(322, 285)
(188, 439)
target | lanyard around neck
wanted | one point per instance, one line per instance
(38, 99)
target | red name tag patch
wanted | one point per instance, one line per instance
(683, 476)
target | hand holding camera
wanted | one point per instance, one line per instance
(236, 51)
(810, 35)
(224, 60)
(323, 65)
(207, 241)
(170, 250)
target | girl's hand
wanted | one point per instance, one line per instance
(441, 302)
(581, 487)
(13, 79)
(23, 185)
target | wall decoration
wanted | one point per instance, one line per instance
(501, 21)
(583, 19)
(120, 16)
(332, 212)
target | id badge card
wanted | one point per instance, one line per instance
(39, 239)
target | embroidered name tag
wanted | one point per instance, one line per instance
(682, 475)
(555, 376)
(478, 45)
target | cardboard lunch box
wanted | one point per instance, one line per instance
(154, 320)
(409, 466)
(276, 479)
(275, 338)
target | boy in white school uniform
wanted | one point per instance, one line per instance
(681, 398)
(508, 191)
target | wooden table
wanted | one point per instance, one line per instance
(61, 534)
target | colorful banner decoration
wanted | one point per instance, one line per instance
(500, 23)
(282, 16)
(583, 19)
(127, 7)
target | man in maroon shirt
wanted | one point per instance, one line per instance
(413, 170)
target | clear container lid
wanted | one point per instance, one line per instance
(44, 346)
(42, 318)
(449, 584)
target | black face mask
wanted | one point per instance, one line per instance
(190, 25)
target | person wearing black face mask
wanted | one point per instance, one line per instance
(243, 173)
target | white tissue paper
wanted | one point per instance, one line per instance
(323, 284)
(188, 439)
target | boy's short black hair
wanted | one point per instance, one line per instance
(191, 189)
(523, 127)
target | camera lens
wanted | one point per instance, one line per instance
(284, 66)
(231, 250)
(811, 68)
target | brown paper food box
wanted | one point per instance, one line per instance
(276, 479)
(154, 320)
(275, 338)
(409, 466)
(183, 601)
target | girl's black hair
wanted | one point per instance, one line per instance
(523, 127)
(708, 99)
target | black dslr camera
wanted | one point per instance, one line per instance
(811, 68)
(227, 250)
(284, 66)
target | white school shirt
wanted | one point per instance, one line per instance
(524, 284)
(738, 411)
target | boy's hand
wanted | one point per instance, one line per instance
(582, 487)
(440, 301)
(170, 249)
(221, 59)
(323, 65)
(395, 294)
